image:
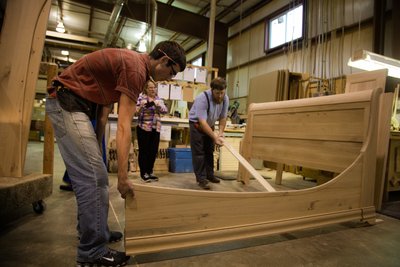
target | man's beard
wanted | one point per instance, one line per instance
(218, 101)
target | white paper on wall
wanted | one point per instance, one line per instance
(175, 92)
(201, 75)
(178, 76)
(163, 90)
(188, 74)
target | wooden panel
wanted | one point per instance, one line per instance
(181, 218)
(263, 88)
(369, 80)
(21, 46)
(315, 154)
(366, 80)
(326, 131)
(336, 125)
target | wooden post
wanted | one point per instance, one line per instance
(48, 146)
(21, 45)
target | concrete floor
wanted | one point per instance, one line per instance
(28, 239)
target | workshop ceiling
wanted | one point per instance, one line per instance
(87, 23)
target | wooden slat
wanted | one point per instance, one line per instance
(315, 154)
(249, 168)
(335, 125)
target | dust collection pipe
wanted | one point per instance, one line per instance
(210, 49)
(113, 21)
(153, 24)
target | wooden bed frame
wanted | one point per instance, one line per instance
(336, 133)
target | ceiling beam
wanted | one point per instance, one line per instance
(169, 17)
(249, 11)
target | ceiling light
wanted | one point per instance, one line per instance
(142, 46)
(366, 60)
(60, 27)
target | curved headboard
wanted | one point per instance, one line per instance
(325, 133)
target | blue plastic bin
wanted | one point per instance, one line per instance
(180, 160)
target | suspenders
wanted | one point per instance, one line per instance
(208, 103)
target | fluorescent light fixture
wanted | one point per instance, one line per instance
(366, 60)
(60, 27)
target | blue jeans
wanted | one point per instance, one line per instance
(80, 151)
(66, 178)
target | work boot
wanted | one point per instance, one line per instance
(213, 179)
(204, 184)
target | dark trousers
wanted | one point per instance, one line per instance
(148, 146)
(202, 147)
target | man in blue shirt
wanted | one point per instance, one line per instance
(209, 107)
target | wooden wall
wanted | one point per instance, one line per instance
(348, 24)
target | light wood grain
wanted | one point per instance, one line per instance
(21, 46)
(369, 80)
(248, 167)
(161, 218)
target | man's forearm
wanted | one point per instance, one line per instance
(207, 129)
(101, 120)
(221, 127)
(123, 145)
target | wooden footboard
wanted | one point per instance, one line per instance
(336, 133)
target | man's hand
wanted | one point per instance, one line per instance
(125, 188)
(219, 140)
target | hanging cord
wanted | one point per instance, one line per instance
(248, 67)
(323, 44)
(316, 46)
(359, 25)
(290, 45)
(341, 46)
(240, 40)
(309, 38)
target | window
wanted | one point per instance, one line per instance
(284, 27)
(198, 61)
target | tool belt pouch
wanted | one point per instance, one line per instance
(71, 102)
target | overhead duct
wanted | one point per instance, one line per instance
(210, 49)
(113, 21)
(153, 24)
